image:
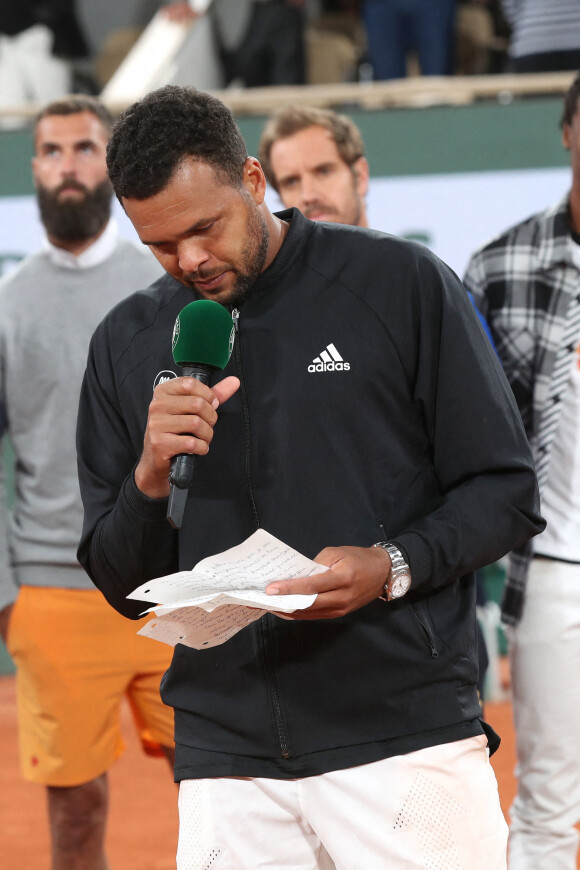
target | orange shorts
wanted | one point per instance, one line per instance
(76, 658)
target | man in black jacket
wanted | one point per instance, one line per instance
(350, 735)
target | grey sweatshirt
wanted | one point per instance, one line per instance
(49, 307)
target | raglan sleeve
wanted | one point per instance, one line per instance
(489, 502)
(126, 539)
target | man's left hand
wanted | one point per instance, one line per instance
(355, 576)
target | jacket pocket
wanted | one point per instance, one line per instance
(421, 615)
(425, 626)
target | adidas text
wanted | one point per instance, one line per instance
(329, 367)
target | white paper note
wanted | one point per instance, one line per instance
(224, 593)
(198, 628)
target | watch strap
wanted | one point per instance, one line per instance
(399, 579)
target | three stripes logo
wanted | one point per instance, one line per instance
(329, 361)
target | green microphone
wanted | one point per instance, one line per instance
(203, 340)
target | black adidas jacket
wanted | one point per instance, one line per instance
(418, 441)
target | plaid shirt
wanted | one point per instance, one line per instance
(527, 285)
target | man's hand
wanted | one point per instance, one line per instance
(180, 11)
(5, 614)
(355, 577)
(182, 416)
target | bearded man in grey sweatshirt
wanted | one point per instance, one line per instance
(75, 657)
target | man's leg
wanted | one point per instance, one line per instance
(148, 660)
(70, 687)
(434, 36)
(78, 817)
(545, 662)
(243, 823)
(386, 30)
(437, 808)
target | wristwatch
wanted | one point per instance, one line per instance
(399, 579)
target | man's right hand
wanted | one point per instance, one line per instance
(4, 620)
(182, 416)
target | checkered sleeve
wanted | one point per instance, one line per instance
(526, 285)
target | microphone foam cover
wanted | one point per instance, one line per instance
(203, 333)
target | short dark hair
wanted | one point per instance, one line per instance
(571, 102)
(153, 136)
(294, 118)
(74, 104)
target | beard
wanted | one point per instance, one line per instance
(75, 220)
(254, 256)
(252, 259)
(351, 214)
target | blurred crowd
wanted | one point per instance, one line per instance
(47, 47)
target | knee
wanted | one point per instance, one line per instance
(78, 814)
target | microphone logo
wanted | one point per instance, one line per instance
(165, 375)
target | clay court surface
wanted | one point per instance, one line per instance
(143, 819)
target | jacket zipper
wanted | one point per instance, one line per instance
(428, 634)
(266, 643)
(266, 646)
(245, 419)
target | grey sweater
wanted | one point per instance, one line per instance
(48, 313)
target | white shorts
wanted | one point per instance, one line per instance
(434, 809)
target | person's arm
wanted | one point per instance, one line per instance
(480, 457)
(8, 585)
(126, 537)
(480, 451)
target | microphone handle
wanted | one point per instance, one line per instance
(182, 465)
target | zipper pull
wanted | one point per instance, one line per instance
(236, 319)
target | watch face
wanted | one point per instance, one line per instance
(399, 585)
